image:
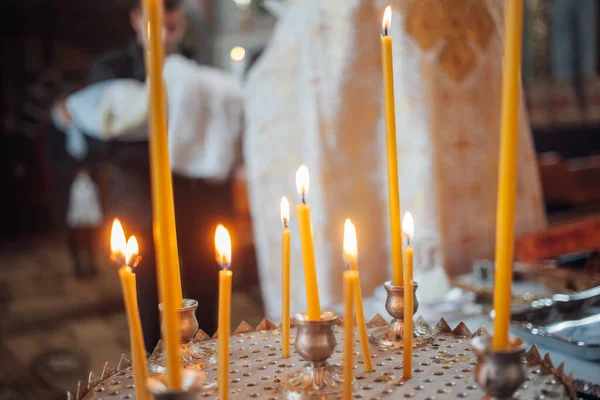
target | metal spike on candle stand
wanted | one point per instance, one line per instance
(107, 371)
(80, 390)
(124, 362)
(201, 336)
(265, 325)
(243, 327)
(462, 330)
(92, 381)
(481, 332)
(376, 321)
(443, 326)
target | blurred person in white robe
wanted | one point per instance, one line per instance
(315, 97)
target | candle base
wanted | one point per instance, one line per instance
(193, 355)
(194, 385)
(499, 373)
(392, 335)
(315, 343)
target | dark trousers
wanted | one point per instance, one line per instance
(126, 196)
(199, 207)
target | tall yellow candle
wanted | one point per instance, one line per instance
(127, 254)
(285, 279)
(350, 283)
(167, 261)
(507, 180)
(351, 256)
(308, 251)
(392, 157)
(223, 247)
(408, 229)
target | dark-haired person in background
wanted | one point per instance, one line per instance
(129, 192)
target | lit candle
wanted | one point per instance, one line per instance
(308, 252)
(285, 279)
(350, 283)
(167, 260)
(392, 157)
(223, 250)
(126, 256)
(408, 228)
(351, 256)
(237, 57)
(507, 180)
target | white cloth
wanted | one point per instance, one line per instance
(205, 109)
(315, 97)
(84, 205)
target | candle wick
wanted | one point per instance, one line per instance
(303, 197)
(408, 240)
(285, 223)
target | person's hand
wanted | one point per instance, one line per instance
(62, 106)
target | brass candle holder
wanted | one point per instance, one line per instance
(315, 343)
(499, 372)
(193, 355)
(193, 385)
(392, 334)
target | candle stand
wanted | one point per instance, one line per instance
(445, 368)
(392, 334)
(315, 343)
(193, 355)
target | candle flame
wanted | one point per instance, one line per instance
(132, 251)
(117, 240)
(285, 211)
(223, 246)
(350, 243)
(408, 225)
(387, 20)
(302, 181)
(238, 53)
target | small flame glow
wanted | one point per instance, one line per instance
(238, 53)
(408, 225)
(285, 211)
(117, 240)
(131, 254)
(387, 20)
(350, 243)
(223, 246)
(302, 181)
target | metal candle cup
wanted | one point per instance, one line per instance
(392, 335)
(193, 355)
(499, 373)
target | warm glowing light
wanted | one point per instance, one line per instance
(238, 53)
(350, 243)
(302, 181)
(285, 211)
(131, 254)
(117, 240)
(408, 225)
(223, 246)
(387, 20)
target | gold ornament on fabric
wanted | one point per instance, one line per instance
(457, 23)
